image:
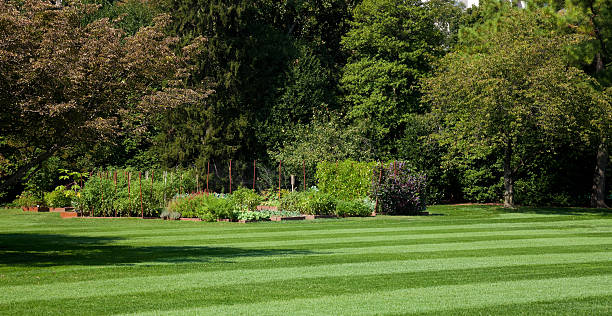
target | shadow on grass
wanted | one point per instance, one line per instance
(558, 210)
(45, 250)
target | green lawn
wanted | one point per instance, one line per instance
(467, 260)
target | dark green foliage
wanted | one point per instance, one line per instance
(401, 190)
(345, 180)
(393, 44)
(128, 15)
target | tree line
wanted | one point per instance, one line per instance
(494, 102)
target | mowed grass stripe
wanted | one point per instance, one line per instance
(325, 232)
(322, 240)
(189, 265)
(297, 288)
(415, 300)
(126, 226)
(209, 279)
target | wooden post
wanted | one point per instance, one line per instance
(230, 176)
(165, 183)
(377, 189)
(197, 182)
(115, 180)
(102, 194)
(129, 194)
(254, 175)
(280, 163)
(292, 183)
(140, 184)
(207, 173)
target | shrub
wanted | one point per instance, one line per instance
(246, 199)
(401, 190)
(26, 199)
(205, 207)
(362, 208)
(60, 197)
(319, 203)
(346, 180)
(293, 202)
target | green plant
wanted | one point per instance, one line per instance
(60, 197)
(246, 200)
(362, 207)
(26, 199)
(293, 202)
(345, 180)
(318, 203)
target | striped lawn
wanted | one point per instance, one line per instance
(468, 260)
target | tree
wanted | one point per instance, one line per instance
(594, 19)
(392, 45)
(513, 95)
(64, 83)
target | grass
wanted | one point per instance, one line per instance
(469, 260)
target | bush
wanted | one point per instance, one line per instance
(205, 207)
(312, 202)
(293, 202)
(362, 208)
(246, 199)
(401, 190)
(27, 199)
(318, 203)
(346, 180)
(60, 197)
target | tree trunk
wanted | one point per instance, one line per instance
(508, 177)
(23, 170)
(598, 192)
(598, 195)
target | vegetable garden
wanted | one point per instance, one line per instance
(344, 188)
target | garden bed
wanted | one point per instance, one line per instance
(191, 219)
(69, 214)
(310, 217)
(61, 209)
(286, 218)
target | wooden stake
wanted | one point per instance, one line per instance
(140, 184)
(254, 175)
(129, 194)
(207, 173)
(280, 163)
(115, 181)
